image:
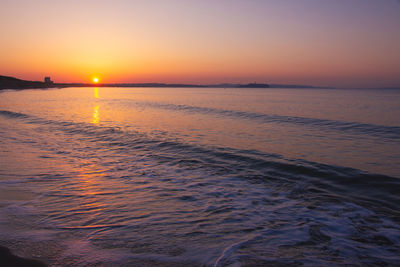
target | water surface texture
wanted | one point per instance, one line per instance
(201, 176)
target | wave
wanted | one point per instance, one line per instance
(379, 131)
(335, 125)
(301, 179)
(12, 114)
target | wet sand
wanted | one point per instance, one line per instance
(9, 259)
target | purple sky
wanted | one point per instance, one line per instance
(345, 43)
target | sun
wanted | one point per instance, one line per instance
(95, 80)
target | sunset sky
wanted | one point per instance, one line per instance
(344, 43)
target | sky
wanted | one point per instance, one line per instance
(341, 43)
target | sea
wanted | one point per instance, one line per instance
(103, 176)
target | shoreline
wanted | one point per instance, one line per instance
(7, 258)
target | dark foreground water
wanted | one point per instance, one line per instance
(201, 177)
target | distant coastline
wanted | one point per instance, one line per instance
(7, 82)
(14, 83)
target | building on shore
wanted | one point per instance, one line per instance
(48, 81)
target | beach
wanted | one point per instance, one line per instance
(200, 176)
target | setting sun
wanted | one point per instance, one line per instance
(95, 80)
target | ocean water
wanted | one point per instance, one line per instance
(201, 176)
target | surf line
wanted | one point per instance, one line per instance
(231, 249)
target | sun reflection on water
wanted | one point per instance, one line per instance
(96, 116)
(96, 92)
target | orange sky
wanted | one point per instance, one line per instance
(321, 42)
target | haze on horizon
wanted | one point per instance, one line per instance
(344, 43)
